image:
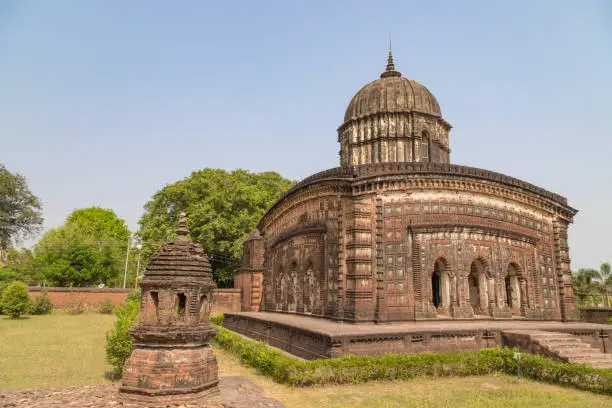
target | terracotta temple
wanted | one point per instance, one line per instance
(398, 233)
(172, 361)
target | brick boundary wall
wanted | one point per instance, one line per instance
(596, 314)
(224, 300)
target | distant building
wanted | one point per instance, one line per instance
(398, 233)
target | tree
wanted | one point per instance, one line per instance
(604, 273)
(89, 249)
(222, 208)
(19, 266)
(20, 210)
(15, 300)
(605, 277)
(99, 223)
(584, 282)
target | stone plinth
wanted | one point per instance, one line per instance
(313, 338)
(160, 376)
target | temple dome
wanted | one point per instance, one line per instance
(392, 93)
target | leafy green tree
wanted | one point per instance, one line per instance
(87, 250)
(20, 210)
(222, 208)
(99, 223)
(19, 266)
(605, 277)
(15, 300)
(585, 284)
(605, 274)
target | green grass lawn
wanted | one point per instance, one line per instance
(63, 350)
(56, 350)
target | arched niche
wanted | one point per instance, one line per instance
(478, 288)
(440, 284)
(512, 285)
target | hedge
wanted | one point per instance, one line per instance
(358, 369)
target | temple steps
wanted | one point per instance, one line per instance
(559, 346)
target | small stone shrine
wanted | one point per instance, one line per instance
(172, 361)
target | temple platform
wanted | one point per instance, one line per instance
(312, 337)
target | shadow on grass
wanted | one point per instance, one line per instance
(17, 318)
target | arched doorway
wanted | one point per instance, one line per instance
(513, 289)
(440, 285)
(435, 288)
(477, 283)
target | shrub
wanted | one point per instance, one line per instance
(609, 320)
(15, 300)
(3, 286)
(118, 339)
(76, 308)
(41, 305)
(106, 306)
(217, 318)
(133, 296)
(358, 369)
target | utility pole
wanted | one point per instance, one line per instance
(127, 258)
(139, 247)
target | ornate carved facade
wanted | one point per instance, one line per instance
(398, 233)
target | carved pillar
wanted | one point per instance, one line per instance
(566, 292)
(491, 294)
(523, 295)
(424, 308)
(360, 274)
(380, 313)
(453, 291)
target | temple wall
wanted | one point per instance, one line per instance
(460, 254)
(399, 242)
(301, 258)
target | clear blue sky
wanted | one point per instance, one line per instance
(104, 102)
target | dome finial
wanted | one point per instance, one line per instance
(390, 65)
(182, 229)
(390, 71)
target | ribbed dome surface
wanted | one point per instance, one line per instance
(392, 93)
(180, 257)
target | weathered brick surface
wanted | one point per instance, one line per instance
(63, 298)
(566, 346)
(172, 361)
(224, 300)
(596, 314)
(311, 338)
(398, 233)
